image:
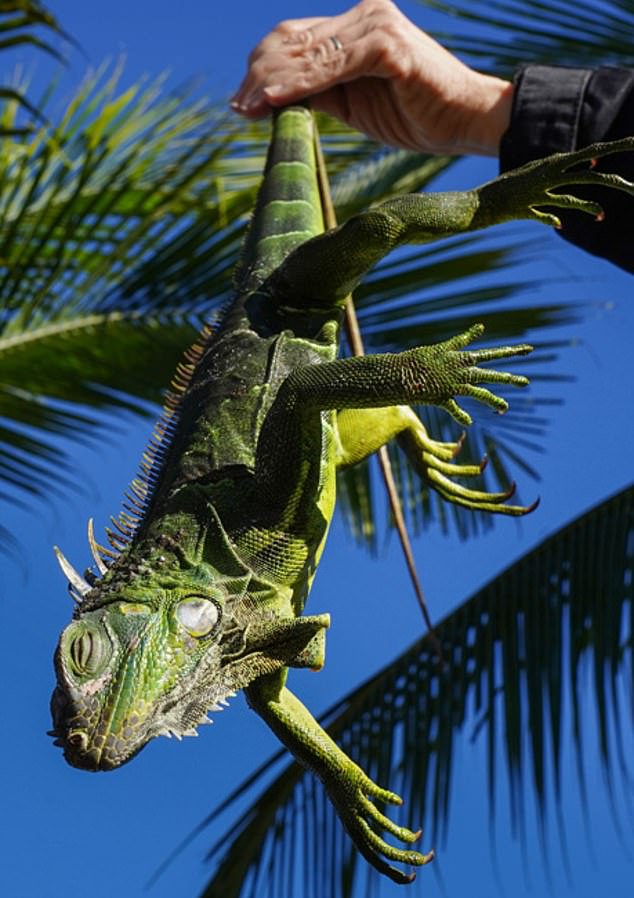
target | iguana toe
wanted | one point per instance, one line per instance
(363, 821)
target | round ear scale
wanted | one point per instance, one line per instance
(78, 586)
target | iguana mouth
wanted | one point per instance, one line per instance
(86, 746)
(91, 746)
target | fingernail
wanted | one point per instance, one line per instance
(249, 102)
(275, 90)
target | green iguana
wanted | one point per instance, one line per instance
(203, 591)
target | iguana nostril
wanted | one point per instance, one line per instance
(78, 739)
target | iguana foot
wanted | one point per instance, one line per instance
(521, 193)
(446, 371)
(349, 788)
(433, 461)
(351, 793)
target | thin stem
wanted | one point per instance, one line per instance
(356, 345)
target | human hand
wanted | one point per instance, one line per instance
(374, 69)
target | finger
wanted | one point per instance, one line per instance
(288, 39)
(286, 35)
(373, 858)
(382, 794)
(596, 150)
(458, 342)
(274, 42)
(404, 856)
(456, 412)
(401, 832)
(279, 79)
(348, 27)
(487, 375)
(569, 201)
(450, 468)
(500, 352)
(485, 396)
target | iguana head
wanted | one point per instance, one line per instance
(152, 654)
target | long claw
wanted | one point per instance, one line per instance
(456, 490)
(429, 458)
(480, 504)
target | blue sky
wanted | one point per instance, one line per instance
(65, 831)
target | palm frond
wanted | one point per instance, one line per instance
(504, 34)
(20, 21)
(56, 377)
(516, 651)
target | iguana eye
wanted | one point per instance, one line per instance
(199, 616)
(87, 651)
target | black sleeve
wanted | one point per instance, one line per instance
(562, 109)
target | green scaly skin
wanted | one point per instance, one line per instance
(205, 590)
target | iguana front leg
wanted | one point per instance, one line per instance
(327, 268)
(429, 374)
(348, 787)
(361, 432)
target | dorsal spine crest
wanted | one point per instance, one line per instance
(139, 494)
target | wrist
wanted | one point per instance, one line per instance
(488, 116)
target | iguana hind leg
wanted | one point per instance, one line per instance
(327, 268)
(361, 432)
(351, 791)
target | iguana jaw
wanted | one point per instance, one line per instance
(84, 749)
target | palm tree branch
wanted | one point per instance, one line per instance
(564, 606)
(558, 32)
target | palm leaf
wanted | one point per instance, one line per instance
(516, 651)
(82, 208)
(20, 21)
(504, 34)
